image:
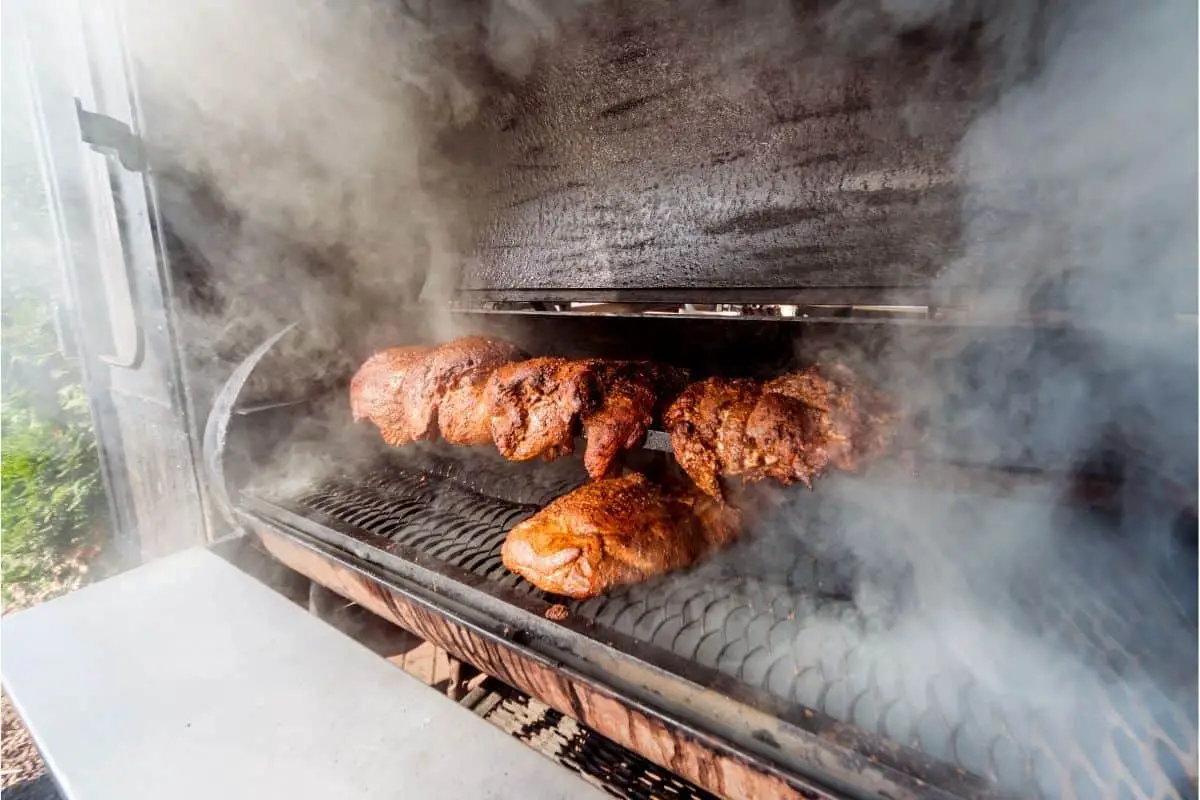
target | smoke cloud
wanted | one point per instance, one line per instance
(296, 144)
(1079, 196)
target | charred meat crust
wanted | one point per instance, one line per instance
(400, 389)
(615, 531)
(792, 428)
(475, 390)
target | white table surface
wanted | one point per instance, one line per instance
(186, 678)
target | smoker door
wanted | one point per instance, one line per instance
(114, 302)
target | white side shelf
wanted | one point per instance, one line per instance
(186, 678)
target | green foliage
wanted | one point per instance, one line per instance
(50, 490)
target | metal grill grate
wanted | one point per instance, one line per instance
(598, 760)
(787, 618)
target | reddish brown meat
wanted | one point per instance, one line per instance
(458, 374)
(539, 406)
(464, 416)
(615, 531)
(783, 440)
(400, 389)
(476, 392)
(707, 423)
(853, 420)
(379, 390)
(792, 428)
(451, 361)
(535, 406)
(630, 392)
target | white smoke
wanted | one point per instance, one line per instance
(1079, 184)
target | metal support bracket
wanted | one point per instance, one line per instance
(111, 137)
(217, 427)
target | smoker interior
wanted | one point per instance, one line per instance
(795, 623)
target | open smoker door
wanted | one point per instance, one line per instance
(114, 289)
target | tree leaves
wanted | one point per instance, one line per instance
(50, 490)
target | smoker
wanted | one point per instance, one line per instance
(640, 204)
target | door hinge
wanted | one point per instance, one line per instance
(111, 137)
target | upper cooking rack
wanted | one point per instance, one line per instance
(855, 306)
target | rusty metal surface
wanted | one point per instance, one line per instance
(802, 625)
(598, 760)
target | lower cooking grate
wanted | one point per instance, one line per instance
(1085, 687)
(598, 760)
